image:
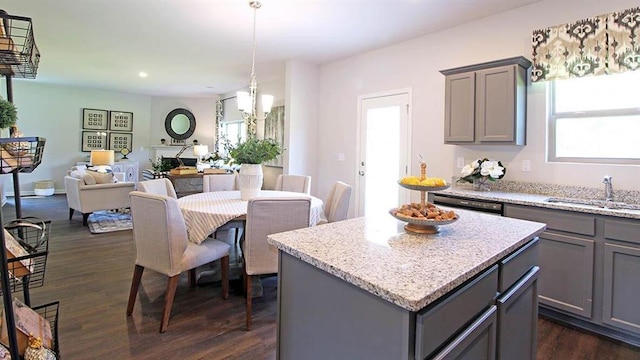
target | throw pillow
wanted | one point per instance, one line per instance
(101, 178)
(76, 174)
(88, 179)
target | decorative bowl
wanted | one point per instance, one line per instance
(422, 226)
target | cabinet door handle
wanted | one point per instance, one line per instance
(361, 172)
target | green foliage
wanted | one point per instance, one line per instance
(8, 114)
(159, 165)
(255, 151)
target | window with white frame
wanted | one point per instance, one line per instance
(233, 131)
(595, 119)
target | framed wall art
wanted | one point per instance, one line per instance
(94, 140)
(118, 141)
(120, 121)
(94, 119)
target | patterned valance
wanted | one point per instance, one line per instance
(605, 44)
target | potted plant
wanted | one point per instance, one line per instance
(251, 154)
(8, 114)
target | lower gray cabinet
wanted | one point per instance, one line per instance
(518, 319)
(476, 342)
(621, 287)
(566, 279)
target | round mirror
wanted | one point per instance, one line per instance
(180, 124)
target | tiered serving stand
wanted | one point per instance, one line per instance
(422, 226)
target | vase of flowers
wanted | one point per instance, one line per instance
(251, 154)
(482, 172)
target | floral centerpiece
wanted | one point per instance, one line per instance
(479, 172)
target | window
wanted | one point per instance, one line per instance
(595, 119)
(234, 131)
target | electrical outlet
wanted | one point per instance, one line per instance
(526, 165)
(460, 163)
(340, 156)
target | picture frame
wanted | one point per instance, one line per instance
(94, 119)
(120, 121)
(94, 140)
(118, 140)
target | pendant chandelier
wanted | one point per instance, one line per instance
(247, 100)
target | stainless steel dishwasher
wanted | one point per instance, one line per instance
(485, 206)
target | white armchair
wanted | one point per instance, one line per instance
(89, 198)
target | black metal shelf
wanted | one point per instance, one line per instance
(19, 54)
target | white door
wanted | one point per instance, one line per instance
(384, 151)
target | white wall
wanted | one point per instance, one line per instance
(203, 109)
(55, 113)
(416, 64)
(301, 120)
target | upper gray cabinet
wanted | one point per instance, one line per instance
(487, 103)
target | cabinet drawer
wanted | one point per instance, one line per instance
(622, 230)
(517, 264)
(477, 342)
(555, 219)
(191, 184)
(436, 325)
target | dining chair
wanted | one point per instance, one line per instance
(162, 245)
(266, 216)
(295, 183)
(336, 207)
(219, 182)
(162, 186)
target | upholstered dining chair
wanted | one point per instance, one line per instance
(162, 186)
(336, 207)
(219, 182)
(267, 216)
(294, 183)
(161, 243)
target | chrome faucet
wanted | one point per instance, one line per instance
(608, 188)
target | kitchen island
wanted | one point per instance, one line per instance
(365, 289)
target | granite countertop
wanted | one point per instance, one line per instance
(411, 271)
(540, 200)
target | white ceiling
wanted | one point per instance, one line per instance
(203, 47)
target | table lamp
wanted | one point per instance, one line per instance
(102, 160)
(199, 151)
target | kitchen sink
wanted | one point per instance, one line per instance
(603, 204)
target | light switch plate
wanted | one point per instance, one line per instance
(460, 162)
(340, 156)
(526, 165)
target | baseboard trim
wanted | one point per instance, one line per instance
(580, 324)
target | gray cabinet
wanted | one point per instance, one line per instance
(589, 270)
(129, 168)
(486, 103)
(476, 342)
(518, 319)
(566, 258)
(621, 278)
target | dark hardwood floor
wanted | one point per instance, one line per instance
(90, 274)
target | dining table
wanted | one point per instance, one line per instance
(205, 212)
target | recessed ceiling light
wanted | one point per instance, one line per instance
(142, 74)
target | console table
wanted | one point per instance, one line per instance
(186, 184)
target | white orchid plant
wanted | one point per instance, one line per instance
(482, 168)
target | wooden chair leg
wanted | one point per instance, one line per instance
(172, 284)
(192, 277)
(248, 285)
(135, 284)
(224, 273)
